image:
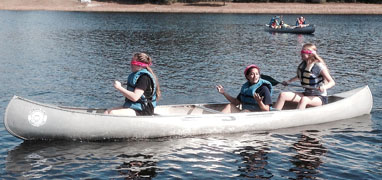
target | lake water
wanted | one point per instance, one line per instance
(71, 58)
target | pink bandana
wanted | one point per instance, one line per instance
(138, 63)
(308, 52)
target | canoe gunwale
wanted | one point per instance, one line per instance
(82, 109)
(87, 111)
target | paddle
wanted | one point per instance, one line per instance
(274, 82)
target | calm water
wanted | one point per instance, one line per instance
(71, 58)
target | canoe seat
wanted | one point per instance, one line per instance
(199, 109)
(96, 111)
(188, 109)
(209, 110)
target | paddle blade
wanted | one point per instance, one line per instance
(273, 81)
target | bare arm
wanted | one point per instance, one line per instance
(259, 100)
(328, 79)
(285, 83)
(131, 95)
(227, 96)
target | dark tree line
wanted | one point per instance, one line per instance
(315, 1)
(238, 1)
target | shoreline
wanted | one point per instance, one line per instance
(215, 7)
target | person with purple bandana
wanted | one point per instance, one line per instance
(314, 77)
(255, 93)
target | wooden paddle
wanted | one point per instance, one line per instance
(274, 82)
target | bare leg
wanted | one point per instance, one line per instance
(120, 111)
(109, 110)
(287, 96)
(124, 112)
(309, 100)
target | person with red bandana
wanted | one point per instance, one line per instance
(142, 89)
(314, 77)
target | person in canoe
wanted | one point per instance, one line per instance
(283, 25)
(300, 22)
(275, 22)
(255, 94)
(314, 77)
(273, 19)
(142, 90)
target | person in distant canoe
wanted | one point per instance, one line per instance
(275, 22)
(283, 25)
(272, 21)
(314, 77)
(255, 94)
(142, 90)
(300, 22)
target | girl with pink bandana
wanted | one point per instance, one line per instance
(314, 77)
(142, 89)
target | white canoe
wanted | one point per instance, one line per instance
(31, 120)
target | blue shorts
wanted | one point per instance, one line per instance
(147, 109)
(250, 107)
(324, 99)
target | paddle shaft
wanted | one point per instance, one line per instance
(274, 82)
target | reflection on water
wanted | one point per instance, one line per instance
(296, 153)
(254, 160)
(34, 159)
(138, 166)
(28, 161)
(308, 158)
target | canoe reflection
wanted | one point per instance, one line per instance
(27, 160)
(254, 161)
(297, 152)
(137, 169)
(39, 159)
(308, 158)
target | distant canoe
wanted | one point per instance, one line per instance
(30, 120)
(293, 29)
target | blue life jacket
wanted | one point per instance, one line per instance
(272, 20)
(310, 77)
(247, 91)
(131, 84)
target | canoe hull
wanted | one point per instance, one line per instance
(297, 30)
(30, 120)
